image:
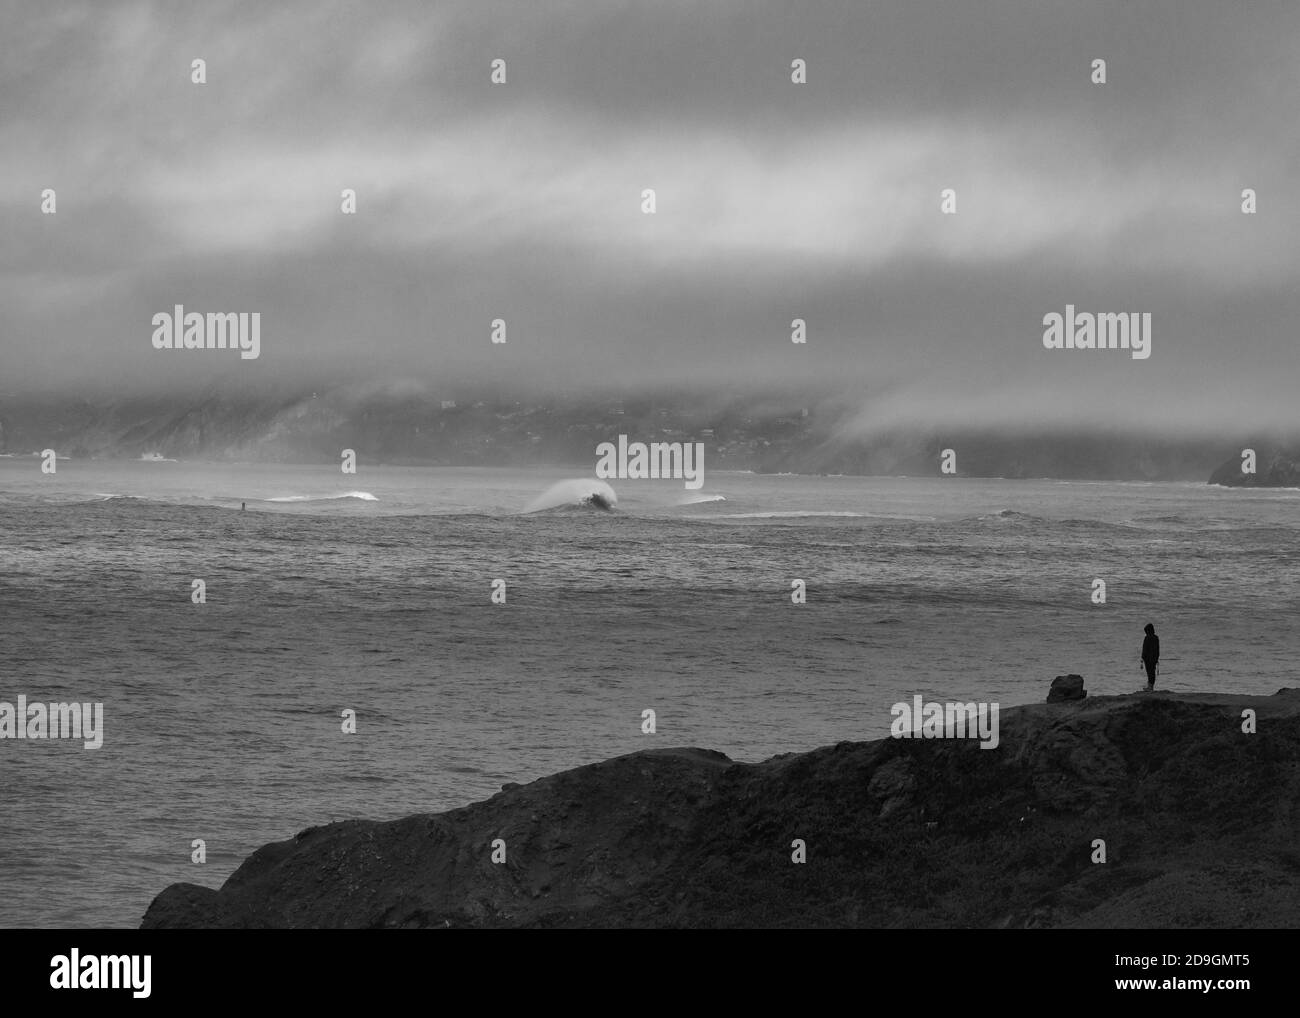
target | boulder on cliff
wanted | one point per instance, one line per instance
(1066, 687)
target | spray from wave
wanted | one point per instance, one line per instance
(577, 491)
(365, 496)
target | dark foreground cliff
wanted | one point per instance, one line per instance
(1201, 825)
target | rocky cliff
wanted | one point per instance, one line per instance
(1200, 824)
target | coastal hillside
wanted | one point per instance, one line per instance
(1199, 821)
(415, 423)
(1274, 468)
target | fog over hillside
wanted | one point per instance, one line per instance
(409, 422)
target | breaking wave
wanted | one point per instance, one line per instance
(578, 491)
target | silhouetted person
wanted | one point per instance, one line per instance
(243, 506)
(1150, 654)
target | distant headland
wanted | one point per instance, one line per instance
(799, 432)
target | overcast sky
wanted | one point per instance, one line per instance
(523, 201)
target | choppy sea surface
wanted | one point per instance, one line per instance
(373, 593)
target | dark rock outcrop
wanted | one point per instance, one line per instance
(1066, 687)
(1199, 820)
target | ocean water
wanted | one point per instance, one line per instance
(372, 592)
